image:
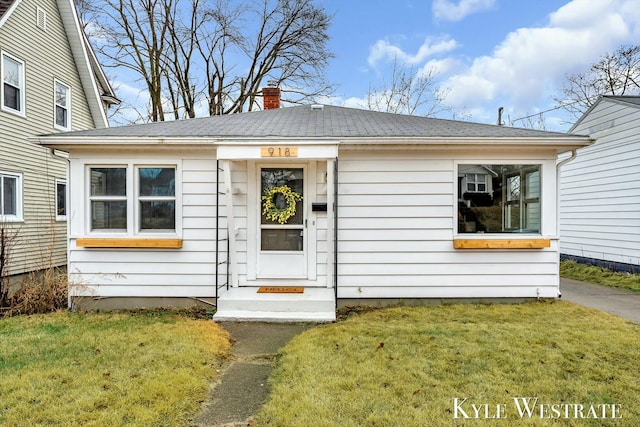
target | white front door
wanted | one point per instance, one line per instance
(282, 244)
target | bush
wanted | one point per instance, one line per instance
(40, 292)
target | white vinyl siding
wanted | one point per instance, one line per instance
(47, 56)
(185, 272)
(396, 230)
(600, 190)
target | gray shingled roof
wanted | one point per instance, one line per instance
(315, 122)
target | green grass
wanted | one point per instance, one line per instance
(405, 366)
(144, 369)
(599, 276)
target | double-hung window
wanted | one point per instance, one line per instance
(108, 198)
(13, 86)
(62, 106)
(156, 198)
(507, 200)
(10, 196)
(132, 199)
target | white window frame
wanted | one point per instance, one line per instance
(17, 217)
(22, 85)
(476, 183)
(133, 201)
(506, 235)
(66, 107)
(66, 199)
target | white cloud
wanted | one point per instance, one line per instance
(531, 62)
(383, 50)
(451, 11)
(438, 67)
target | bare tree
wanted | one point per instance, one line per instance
(616, 73)
(133, 35)
(8, 239)
(408, 92)
(532, 121)
(187, 51)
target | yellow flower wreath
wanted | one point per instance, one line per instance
(271, 211)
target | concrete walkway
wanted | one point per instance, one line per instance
(620, 302)
(242, 387)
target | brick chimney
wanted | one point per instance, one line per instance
(271, 96)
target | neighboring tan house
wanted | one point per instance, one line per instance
(51, 82)
(161, 210)
(600, 189)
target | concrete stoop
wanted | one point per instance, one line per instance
(246, 304)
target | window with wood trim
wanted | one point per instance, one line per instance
(508, 202)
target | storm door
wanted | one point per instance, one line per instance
(282, 244)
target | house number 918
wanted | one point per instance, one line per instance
(279, 151)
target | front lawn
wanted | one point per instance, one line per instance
(407, 366)
(106, 369)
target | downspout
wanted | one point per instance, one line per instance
(574, 154)
(68, 197)
(335, 233)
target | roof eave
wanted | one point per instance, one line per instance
(85, 68)
(560, 144)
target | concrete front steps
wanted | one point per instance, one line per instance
(246, 304)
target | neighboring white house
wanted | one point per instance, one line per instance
(600, 189)
(378, 220)
(50, 82)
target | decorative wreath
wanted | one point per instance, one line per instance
(272, 212)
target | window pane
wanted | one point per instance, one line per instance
(11, 97)
(9, 195)
(157, 182)
(277, 177)
(61, 199)
(109, 215)
(281, 240)
(61, 94)
(157, 215)
(61, 116)
(506, 199)
(108, 182)
(11, 73)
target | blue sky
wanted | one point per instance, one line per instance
(488, 53)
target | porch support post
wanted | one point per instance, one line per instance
(231, 223)
(330, 216)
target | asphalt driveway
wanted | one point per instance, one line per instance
(620, 302)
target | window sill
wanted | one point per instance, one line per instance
(501, 243)
(128, 243)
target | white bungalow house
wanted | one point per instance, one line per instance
(600, 189)
(50, 82)
(179, 212)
